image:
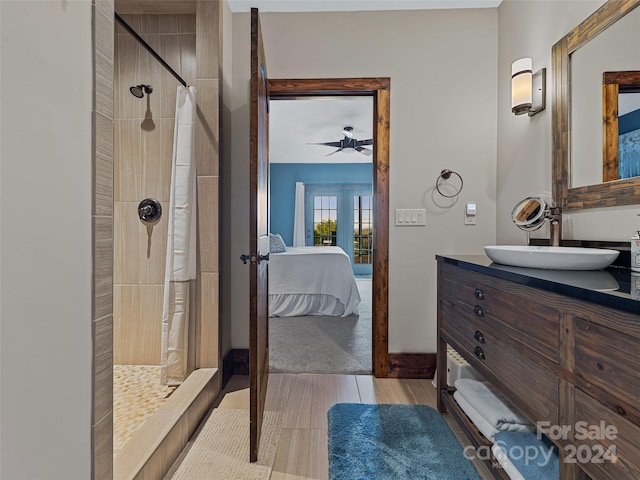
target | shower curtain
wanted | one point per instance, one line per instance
(298, 217)
(178, 315)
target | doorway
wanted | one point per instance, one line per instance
(379, 91)
(321, 205)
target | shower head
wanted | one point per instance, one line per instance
(139, 90)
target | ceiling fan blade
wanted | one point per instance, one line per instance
(364, 151)
(328, 144)
(366, 142)
(335, 151)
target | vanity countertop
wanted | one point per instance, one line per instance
(611, 287)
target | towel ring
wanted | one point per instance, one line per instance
(446, 174)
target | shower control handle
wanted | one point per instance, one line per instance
(149, 210)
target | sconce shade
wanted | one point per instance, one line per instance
(527, 88)
(521, 75)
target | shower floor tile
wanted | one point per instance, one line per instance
(137, 394)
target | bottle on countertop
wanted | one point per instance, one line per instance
(635, 285)
(635, 252)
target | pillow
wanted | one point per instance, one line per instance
(276, 244)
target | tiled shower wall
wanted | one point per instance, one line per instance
(113, 227)
(143, 129)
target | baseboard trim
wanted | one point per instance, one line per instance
(412, 365)
(401, 365)
(235, 362)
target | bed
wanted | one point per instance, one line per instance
(312, 281)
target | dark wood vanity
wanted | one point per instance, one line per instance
(562, 350)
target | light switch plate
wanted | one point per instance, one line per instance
(470, 212)
(411, 217)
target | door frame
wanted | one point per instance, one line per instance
(380, 90)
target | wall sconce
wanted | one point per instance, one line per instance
(527, 88)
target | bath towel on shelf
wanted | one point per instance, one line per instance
(506, 464)
(478, 420)
(493, 406)
(534, 458)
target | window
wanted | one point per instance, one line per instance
(325, 219)
(362, 229)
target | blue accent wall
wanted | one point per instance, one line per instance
(629, 122)
(283, 178)
(629, 145)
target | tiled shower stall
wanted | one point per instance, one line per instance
(186, 34)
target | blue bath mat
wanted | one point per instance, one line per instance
(389, 442)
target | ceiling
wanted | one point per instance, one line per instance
(355, 5)
(189, 6)
(293, 124)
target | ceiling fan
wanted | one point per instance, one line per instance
(349, 141)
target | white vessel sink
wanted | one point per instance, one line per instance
(555, 258)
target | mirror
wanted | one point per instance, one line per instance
(621, 125)
(577, 138)
(529, 214)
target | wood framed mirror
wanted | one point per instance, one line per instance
(606, 193)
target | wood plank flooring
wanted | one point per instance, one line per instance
(304, 399)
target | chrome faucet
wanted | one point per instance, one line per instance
(555, 225)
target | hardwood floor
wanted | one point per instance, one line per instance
(304, 400)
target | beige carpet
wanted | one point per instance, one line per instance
(322, 344)
(220, 449)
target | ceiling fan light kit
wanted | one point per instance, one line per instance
(349, 142)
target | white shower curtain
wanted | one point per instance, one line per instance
(298, 217)
(178, 315)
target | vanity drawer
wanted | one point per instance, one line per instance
(608, 359)
(518, 311)
(621, 459)
(535, 387)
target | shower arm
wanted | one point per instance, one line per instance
(140, 40)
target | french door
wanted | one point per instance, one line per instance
(342, 215)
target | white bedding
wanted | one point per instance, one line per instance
(312, 281)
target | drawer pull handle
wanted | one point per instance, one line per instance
(478, 311)
(479, 294)
(479, 336)
(479, 353)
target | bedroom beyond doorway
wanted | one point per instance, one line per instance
(325, 146)
(323, 344)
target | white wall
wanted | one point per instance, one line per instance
(442, 65)
(529, 28)
(45, 246)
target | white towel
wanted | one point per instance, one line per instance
(505, 463)
(493, 406)
(478, 420)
